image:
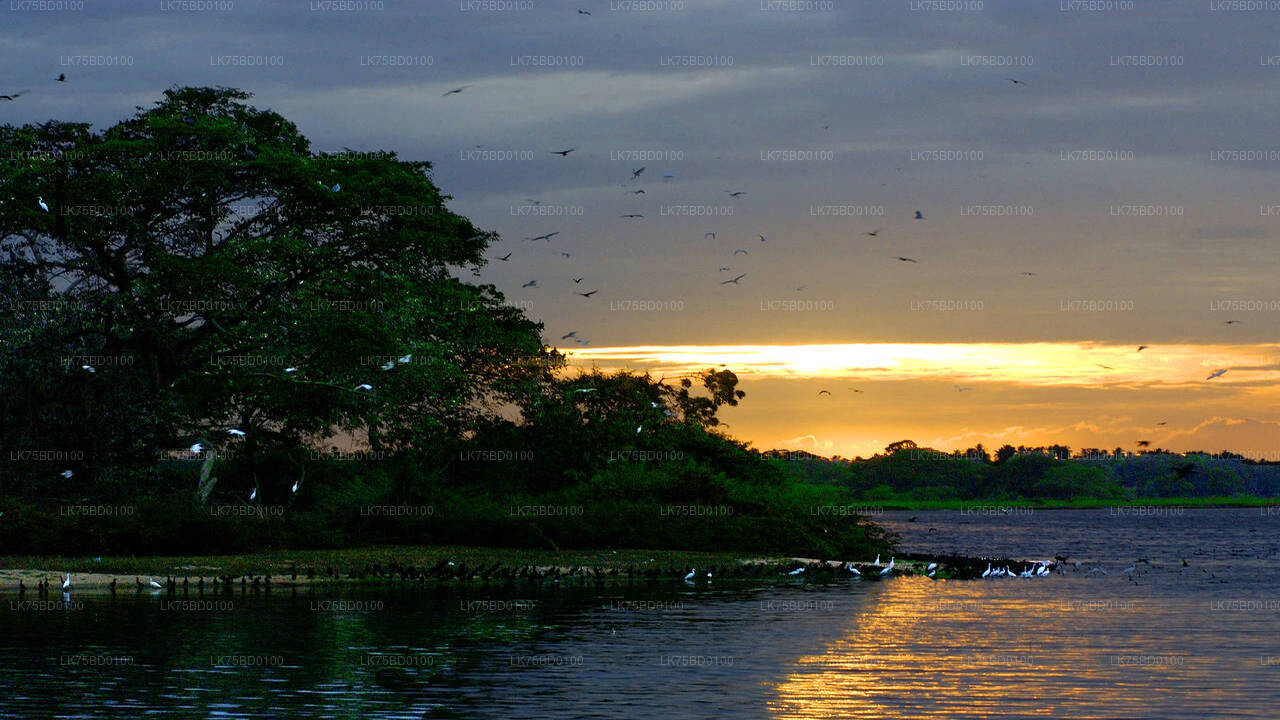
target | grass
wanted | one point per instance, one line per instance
(1076, 504)
(280, 562)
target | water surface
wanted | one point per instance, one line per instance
(1161, 641)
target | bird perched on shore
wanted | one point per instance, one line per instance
(888, 568)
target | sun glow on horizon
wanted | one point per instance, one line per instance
(1035, 364)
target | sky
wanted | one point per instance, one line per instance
(1120, 193)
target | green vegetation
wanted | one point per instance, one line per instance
(280, 563)
(911, 477)
(210, 316)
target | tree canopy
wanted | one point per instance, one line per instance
(200, 268)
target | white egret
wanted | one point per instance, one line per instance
(888, 568)
(43, 207)
(197, 449)
(689, 577)
(405, 358)
(253, 495)
(66, 474)
(877, 562)
(797, 571)
(854, 570)
(234, 431)
(290, 370)
(364, 386)
(295, 486)
(987, 572)
(389, 365)
(932, 566)
(88, 368)
(154, 585)
(66, 584)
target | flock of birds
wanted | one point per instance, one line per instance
(635, 175)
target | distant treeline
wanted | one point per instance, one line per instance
(906, 471)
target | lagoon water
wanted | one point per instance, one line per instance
(1165, 641)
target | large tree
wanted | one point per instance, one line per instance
(213, 272)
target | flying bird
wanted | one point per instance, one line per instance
(565, 254)
(587, 294)
(1029, 274)
(824, 391)
(734, 281)
(636, 173)
(709, 236)
(763, 238)
(906, 259)
(1104, 367)
(740, 250)
(637, 192)
(505, 258)
(577, 281)
(62, 77)
(363, 386)
(873, 233)
(855, 390)
(919, 215)
(1143, 443)
(1015, 82)
(564, 153)
(455, 91)
(583, 12)
(1162, 422)
(961, 389)
(571, 333)
(1143, 347)
(631, 215)
(1230, 322)
(237, 433)
(14, 96)
(1216, 373)
(531, 283)
(737, 193)
(546, 237)
(405, 358)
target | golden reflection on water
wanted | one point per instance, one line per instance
(945, 649)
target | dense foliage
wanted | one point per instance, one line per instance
(907, 472)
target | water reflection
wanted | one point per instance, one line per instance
(1176, 641)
